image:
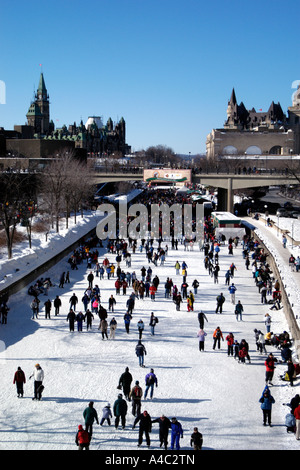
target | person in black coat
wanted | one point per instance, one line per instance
(145, 427)
(71, 319)
(164, 426)
(48, 306)
(201, 318)
(57, 304)
(125, 382)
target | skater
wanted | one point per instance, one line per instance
(103, 328)
(164, 426)
(201, 337)
(150, 381)
(230, 343)
(232, 289)
(62, 280)
(111, 303)
(90, 279)
(201, 318)
(217, 336)
(196, 440)
(90, 415)
(140, 351)
(220, 301)
(80, 319)
(38, 375)
(268, 322)
(270, 367)
(106, 415)
(135, 396)
(88, 317)
(145, 427)
(82, 438)
(153, 321)
(296, 413)
(71, 317)
(57, 305)
(140, 326)
(120, 411)
(112, 328)
(127, 319)
(176, 433)
(19, 380)
(125, 382)
(73, 302)
(239, 310)
(267, 400)
(48, 307)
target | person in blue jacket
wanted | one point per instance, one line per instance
(176, 433)
(266, 400)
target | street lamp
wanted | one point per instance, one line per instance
(266, 213)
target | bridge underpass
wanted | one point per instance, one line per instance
(226, 184)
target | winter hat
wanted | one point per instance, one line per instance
(80, 427)
(137, 382)
(108, 404)
(120, 395)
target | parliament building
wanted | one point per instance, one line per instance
(38, 139)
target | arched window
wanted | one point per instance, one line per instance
(276, 150)
(229, 150)
(253, 150)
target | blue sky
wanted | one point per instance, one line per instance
(168, 67)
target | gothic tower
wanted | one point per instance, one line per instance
(38, 114)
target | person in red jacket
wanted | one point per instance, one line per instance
(270, 367)
(19, 380)
(230, 342)
(82, 438)
(297, 417)
(152, 291)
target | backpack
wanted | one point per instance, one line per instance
(137, 392)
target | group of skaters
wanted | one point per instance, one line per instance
(254, 256)
(168, 427)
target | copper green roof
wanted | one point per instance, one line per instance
(34, 110)
(42, 86)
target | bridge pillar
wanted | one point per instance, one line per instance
(225, 198)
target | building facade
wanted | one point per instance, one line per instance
(250, 132)
(40, 139)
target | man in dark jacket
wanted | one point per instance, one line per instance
(125, 382)
(48, 306)
(90, 415)
(220, 302)
(120, 411)
(145, 427)
(164, 426)
(57, 304)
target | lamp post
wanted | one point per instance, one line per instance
(266, 213)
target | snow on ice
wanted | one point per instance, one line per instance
(205, 389)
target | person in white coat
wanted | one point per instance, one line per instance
(38, 375)
(201, 337)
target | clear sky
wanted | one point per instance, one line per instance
(166, 66)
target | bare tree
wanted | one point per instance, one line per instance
(16, 189)
(66, 183)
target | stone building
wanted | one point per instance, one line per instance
(250, 132)
(39, 139)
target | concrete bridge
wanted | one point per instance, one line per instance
(226, 183)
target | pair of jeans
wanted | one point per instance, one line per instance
(151, 386)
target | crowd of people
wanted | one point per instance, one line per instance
(136, 285)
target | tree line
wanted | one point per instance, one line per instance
(55, 193)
